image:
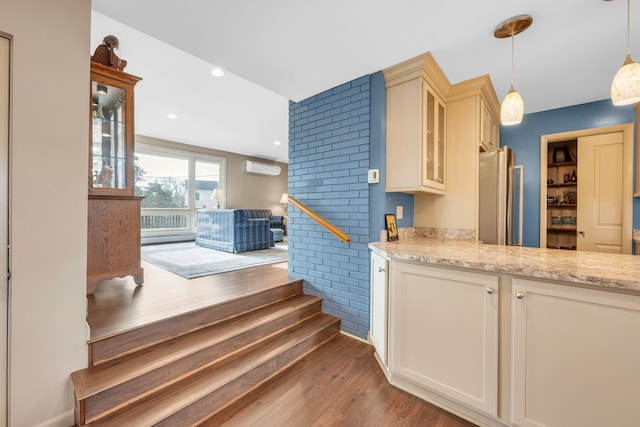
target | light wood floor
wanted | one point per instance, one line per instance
(119, 305)
(339, 384)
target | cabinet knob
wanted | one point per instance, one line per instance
(380, 269)
(520, 295)
(490, 291)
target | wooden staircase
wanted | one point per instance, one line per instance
(180, 371)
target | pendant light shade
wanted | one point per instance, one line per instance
(625, 88)
(512, 108)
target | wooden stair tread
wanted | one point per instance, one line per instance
(147, 334)
(170, 400)
(90, 381)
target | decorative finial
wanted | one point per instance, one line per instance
(111, 41)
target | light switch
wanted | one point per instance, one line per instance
(373, 177)
(399, 212)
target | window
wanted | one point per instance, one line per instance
(174, 183)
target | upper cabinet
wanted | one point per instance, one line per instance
(471, 127)
(416, 126)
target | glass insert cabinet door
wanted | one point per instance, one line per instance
(111, 166)
(108, 137)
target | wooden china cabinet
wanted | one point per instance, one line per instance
(113, 248)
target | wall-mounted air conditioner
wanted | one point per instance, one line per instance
(262, 168)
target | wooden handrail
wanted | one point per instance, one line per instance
(341, 235)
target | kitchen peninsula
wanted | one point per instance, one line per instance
(505, 335)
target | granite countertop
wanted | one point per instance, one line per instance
(611, 271)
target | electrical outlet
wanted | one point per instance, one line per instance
(373, 177)
(399, 212)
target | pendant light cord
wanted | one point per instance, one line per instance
(512, 61)
(628, 27)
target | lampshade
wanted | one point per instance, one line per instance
(512, 108)
(217, 194)
(284, 198)
(625, 88)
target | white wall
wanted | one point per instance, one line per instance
(48, 205)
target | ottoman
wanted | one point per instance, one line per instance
(278, 234)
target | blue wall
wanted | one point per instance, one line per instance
(524, 139)
(328, 163)
(334, 138)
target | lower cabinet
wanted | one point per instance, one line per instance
(379, 307)
(575, 356)
(444, 332)
(566, 355)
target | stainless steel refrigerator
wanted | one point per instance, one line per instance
(500, 198)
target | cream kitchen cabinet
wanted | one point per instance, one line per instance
(489, 130)
(378, 321)
(575, 356)
(444, 333)
(472, 107)
(416, 127)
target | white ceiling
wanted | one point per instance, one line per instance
(290, 49)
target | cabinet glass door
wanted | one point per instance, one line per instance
(433, 139)
(440, 147)
(430, 130)
(108, 137)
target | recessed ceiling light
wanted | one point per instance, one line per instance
(172, 116)
(218, 72)
(276, 143)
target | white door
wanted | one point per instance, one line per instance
(5, 56)
(600, 193)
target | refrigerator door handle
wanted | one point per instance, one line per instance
(520, 168)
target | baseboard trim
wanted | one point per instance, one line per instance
(65, 419)
(355, 337)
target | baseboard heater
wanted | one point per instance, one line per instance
(262, 168)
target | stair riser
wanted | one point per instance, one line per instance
(103, 403)
(205, 407)
(109, 348)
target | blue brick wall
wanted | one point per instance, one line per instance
(329, 145)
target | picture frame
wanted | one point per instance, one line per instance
(392, 227)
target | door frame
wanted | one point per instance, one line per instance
(627, 174)
(5, 324)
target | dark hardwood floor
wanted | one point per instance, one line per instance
(339, 384)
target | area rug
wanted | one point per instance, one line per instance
(191, 261)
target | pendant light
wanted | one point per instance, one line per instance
(625, 88)
(512, 108)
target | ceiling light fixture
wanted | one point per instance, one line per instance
(218, 72)
(512, 108)
(625, 88)
(276, 142)
(172, 116)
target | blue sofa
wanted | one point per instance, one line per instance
(278, 222)
(234, 230)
